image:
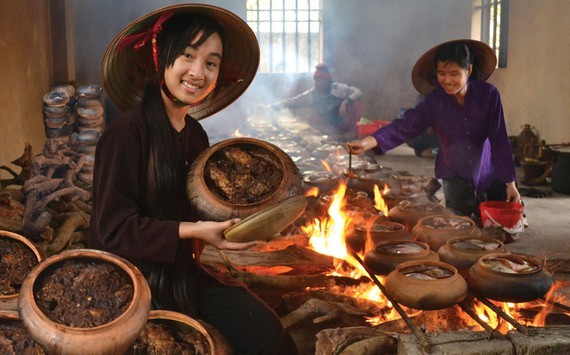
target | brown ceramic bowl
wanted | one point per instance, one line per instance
(425, 292)
(381, 231)
(409, 213)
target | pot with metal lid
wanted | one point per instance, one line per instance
(509, 278)
(385, 256)
(426, 285)
(240, 176)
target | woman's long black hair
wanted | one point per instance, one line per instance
(163, 173)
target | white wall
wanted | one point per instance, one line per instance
(535, 85)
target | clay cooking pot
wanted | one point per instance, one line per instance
(386, 255)
(463, 252)
(210, 205)
(411, 285)
(438, 229)
(10, 301)
(509, 278)
(113, 337)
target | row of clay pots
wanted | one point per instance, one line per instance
(116, 336)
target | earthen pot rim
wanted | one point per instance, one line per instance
(439, 264)
(163, 314)
(234, 141)
(379, 245)
(452, 241)
(444, 216)
(94, 254)
(539, 268)
(38, 253)
(364, 227)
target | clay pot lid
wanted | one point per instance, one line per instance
(268, 222)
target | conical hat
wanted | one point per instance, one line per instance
(124, 70)
(424, 75)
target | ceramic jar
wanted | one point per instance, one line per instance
(493, 278)
(424, 292)
(14, 338)
(322, 180)
(209, 205)
(355, 238)
(394, 196)
(409, 213)
(438, 229)
(10, 301)
(386, 255)
(213, 342)
(114, 337)
(463, 252)
(353, 201)
(381, 231)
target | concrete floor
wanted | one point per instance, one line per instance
(548, 217)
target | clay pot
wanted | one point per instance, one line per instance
(113, 337)
(394, 196)
(463, 252)
(210, 206)
(386, 255)
(438, 229)
(409, 213)
(503, 285)
(10, 302)
(353, 201)
(382, 230)
(323, 180)
(428, 294)
(16, 341)
(213, 341)
(356, 239)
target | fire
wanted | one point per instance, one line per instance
(312, 192)
(379, 203)
(327, 236)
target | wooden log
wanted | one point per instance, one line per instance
(354, 340)
(293, 256)
(11, 214)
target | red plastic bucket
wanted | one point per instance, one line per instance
(506, 214)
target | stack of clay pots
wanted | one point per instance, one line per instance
(90, 124)
(58, 112)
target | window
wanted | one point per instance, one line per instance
(289, 33)
(490, 25)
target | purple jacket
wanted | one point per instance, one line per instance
(473, 138)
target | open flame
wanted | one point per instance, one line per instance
(379, 203)
(327, 236)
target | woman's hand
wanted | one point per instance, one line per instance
(513, 194)
(360, 146)
(212, 233)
